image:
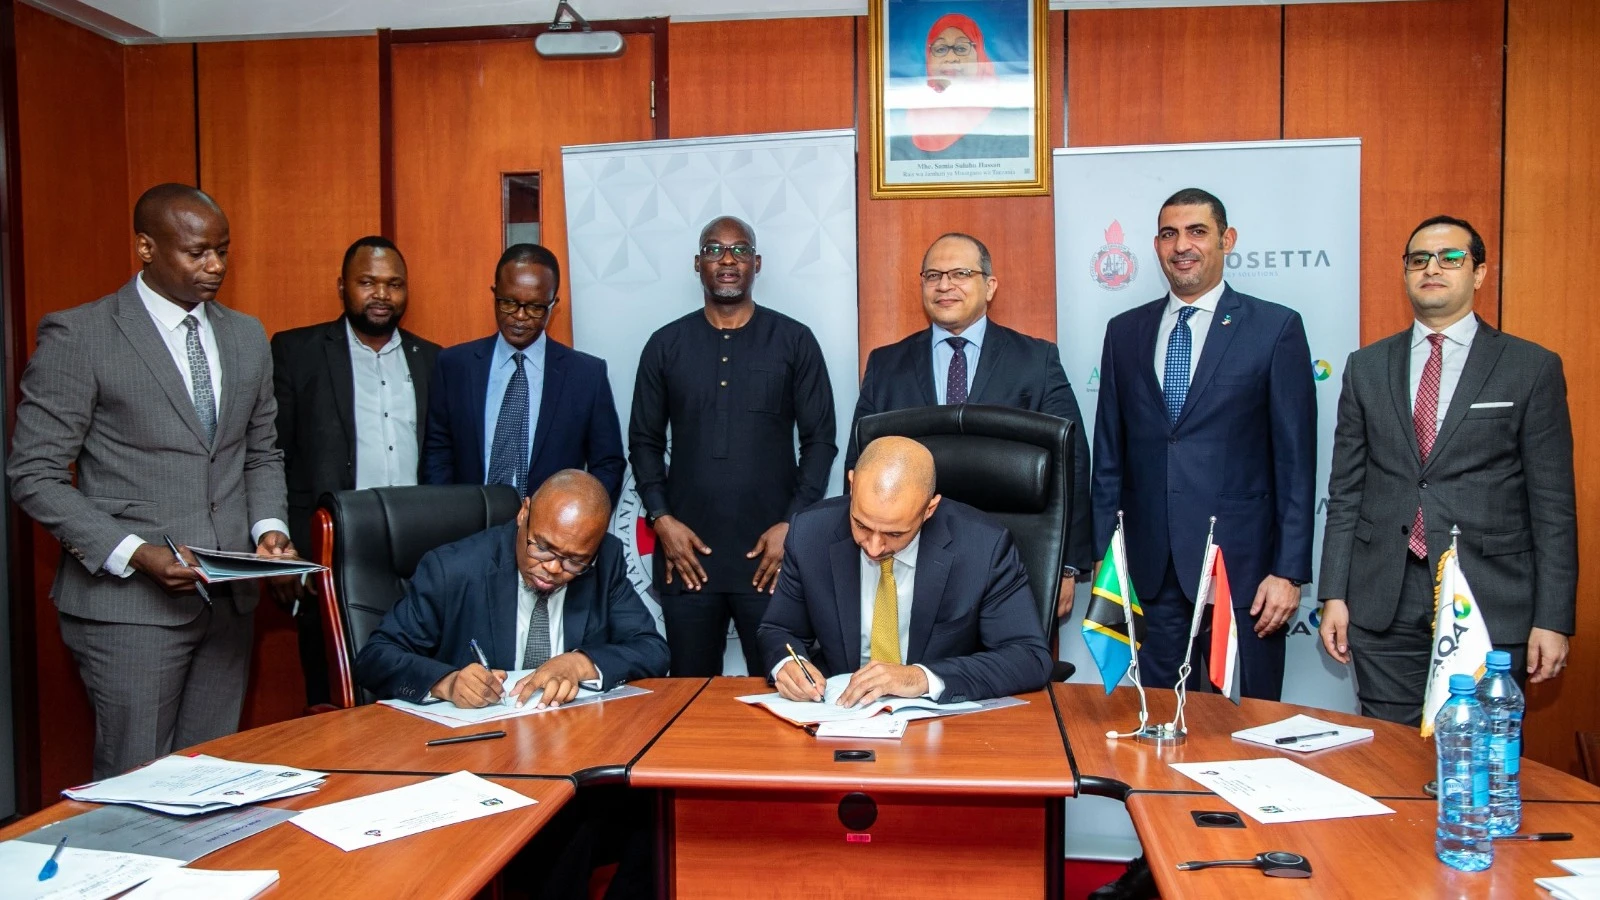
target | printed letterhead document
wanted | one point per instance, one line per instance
(205, 884)
(1332, 734)
(80, 874)
(453, 716)
(127, 829)
(1276, 789)
(186, 785)
(808, 712)
(413, 809)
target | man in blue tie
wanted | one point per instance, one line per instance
(1207, 409)
(517, 407)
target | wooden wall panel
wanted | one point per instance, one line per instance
(158, 82)
(1421, 84)
(289, 148)
(466, 112)
(893, 234)
(756, 76)
(1552, 180)
(1172, 76)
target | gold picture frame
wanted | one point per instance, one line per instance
(953, 83)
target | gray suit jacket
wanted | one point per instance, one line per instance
(102, 391)
(1503, 473)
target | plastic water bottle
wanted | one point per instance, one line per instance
(1503, 704)
(1461, 735)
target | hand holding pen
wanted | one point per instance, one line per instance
(199, 583)
(789, 683)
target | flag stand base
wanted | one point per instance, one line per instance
(1165, 735)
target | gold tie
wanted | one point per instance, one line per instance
(886, 617)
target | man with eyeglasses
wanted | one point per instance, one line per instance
(963, 357)
(516, 407)
(1450, 423)
(736, 383)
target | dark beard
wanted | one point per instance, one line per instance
(362, 326)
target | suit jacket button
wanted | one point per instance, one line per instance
(1172, 440)
(1423, 484)
(1405, 529)
(213, 507)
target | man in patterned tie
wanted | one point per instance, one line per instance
(934, 589)
(1207, 408)
(1483, 441)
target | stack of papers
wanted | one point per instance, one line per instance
(205, 884)
(80, 874)
(1582, 884)
(222, 565)
(413, 809)
(806, 712)
(1330, 734)
(124, 829)
(452, 716)
(1276, 789)
(189, 785)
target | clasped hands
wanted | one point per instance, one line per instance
(871, 682)
(474, 687)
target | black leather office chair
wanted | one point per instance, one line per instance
(371, 542)
(1013, 464)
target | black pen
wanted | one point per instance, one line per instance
(1295, 739)
(803, 670)
(467, 738)
(1536, 836)
(199, 584)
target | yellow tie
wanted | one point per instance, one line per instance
(886, 617)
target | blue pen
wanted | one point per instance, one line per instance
(484, 658)
(50, 865)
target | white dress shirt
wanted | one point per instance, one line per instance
(168, 318)
(943, 353)
(1453, 358)
(1199, 324)
(385, 413)
(501, 368)
(526, 598)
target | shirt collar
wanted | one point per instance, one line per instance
(907, 555)
(1207, 301)
(974, 333)
(1461, 332)
(503, 351)
(167, 314)
(357, 344)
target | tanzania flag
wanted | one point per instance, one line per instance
(1112, 606)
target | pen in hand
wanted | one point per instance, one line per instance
(803, 670)
(50, 865)
(1295, 739)
(199, 585)
(484, 659)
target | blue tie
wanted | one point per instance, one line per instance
(508, 459)
(1175, 384)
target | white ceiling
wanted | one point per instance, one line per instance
(139, 21)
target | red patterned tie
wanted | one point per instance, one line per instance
(1425, 419)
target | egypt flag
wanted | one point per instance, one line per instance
(1224, 628)
(1112, 606)
(1460, 638)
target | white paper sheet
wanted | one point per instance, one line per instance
(807, 712)
(1277, 790)
(452, 716)
(415, 808)
(197, 781)
(1268, 735)
(882, 727)
(205, 884)
(1586, 866)
(1571, 887)
(81, 874)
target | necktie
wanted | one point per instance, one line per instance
(205, 402)
(508, 457)
(536, 651)
(1425, 419)
(885, 644)
(955, 382)
(1175, 380)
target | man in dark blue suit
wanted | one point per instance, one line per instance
(516, 407)
(1207, 409)
(549, 593)
(928, 593)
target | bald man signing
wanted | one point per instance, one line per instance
(918, 596)
(549, 593)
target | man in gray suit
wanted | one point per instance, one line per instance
(1448, 423)
(163, 400)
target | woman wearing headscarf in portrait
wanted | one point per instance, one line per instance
(960, 120)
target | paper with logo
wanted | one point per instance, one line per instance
(81, 874)
(1275, 790)
(1460, 637)
(806, 712)
(205, 884)
(413, 809)
(452, 716)
(1295, 726)
(187, 785)
(126, 829)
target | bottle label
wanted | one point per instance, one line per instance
(1513, 755)
(1480, 787)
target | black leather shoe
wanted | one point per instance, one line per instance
(1135, 884)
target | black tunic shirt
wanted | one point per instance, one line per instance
(734, 399)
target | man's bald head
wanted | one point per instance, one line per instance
(573, 494)
(152, 214)
(563, 522)
(891, 466)
(892, 492)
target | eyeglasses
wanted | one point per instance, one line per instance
(540, 553)
(713, 251)
(1449, 258)
(959, 48)
(534, 309)
(932, 277)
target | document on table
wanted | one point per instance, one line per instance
(1334, 735)
(1586, 866)
(188, 785)
(205, 884)
(1277, 790)
(808, 712)
(450, 715)
(882, 727)
(1572, 887)
(413, 809)
(223, 565)
(126, 829)
(82, 874)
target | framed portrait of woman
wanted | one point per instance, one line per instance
(958, 97)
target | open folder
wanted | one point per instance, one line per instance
(223, 565)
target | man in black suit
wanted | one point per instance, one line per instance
(352, 398)
(930, 594)
(963, 357)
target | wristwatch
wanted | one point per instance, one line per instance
(1069, 572)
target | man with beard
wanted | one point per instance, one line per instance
(734, 381)
(352, 396)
